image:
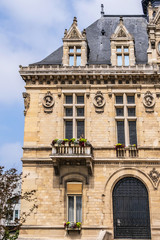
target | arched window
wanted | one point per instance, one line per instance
(131, 209)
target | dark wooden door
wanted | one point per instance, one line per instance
(131, 210)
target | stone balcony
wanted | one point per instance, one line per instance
(130, 152)
(72, 155)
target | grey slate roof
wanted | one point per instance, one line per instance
(99, 51)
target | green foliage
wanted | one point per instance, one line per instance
(10, 195)
(78, 224)
(10, 236)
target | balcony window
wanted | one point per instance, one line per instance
(126, 119)
(74, 116)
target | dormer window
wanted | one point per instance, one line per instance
(122, 53)
(122, 47)
(74, 46)
(74, 56)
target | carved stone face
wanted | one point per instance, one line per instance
(148, 100)
(99, 100)
(48, 102)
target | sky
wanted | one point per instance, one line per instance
(29, 31)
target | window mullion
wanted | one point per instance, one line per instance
(125, 120)
(74, 116)
(75, 206)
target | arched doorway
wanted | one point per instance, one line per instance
(131, 210)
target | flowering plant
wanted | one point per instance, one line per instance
(81, 142)
(54, 141)
(119, 145)
(72, 225)
(133, 145)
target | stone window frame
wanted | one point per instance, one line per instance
(74, 54)
(74, 118)
(158, 47)
(122, 54)
(75, 195)
(125, 118)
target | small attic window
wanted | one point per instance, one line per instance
(78, 50)
(71, 49)
(75, 56)
(103, 32)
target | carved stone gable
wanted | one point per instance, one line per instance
(121, 33)
(73, 34)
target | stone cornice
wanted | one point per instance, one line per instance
(90, 75)
(88, 69)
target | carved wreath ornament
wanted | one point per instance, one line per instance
(99, 102)
(154, 175)
(48, 102)
(149, 101)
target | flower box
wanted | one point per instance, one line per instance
(71, 226)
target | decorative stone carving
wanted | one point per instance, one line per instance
(149, 101)
(154, 175)
(99, 102)
(48, 102)
(121, 33)
(26, 97)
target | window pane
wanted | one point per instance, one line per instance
(78, 60)
(120, 132)
(80, 129)
(126, 60)
(119, 111)
(119, 60)
(132, 132)
(71, 50)
(119, 99)
(130, 99)
(71, 60)
(69, 99)
(71, 208)
(80, 99)
(69, 129)
(78, 209)
(78, 50)
(16, 214)
(80, 112)
(131, 112)
(119, 49)
(125, 49)
(69, 112)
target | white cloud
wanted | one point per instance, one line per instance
(38, 12)
(88, 11)
(10, 155)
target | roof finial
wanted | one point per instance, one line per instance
(121, 19)
(102, 10)
(75, 20)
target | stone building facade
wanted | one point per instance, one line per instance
(103, 85)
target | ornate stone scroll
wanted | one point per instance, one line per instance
(99, 102)
(154, 175)
(26, 97)
(149, 101)
(48, 102)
